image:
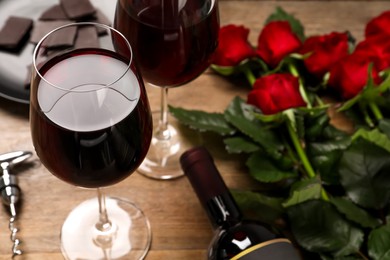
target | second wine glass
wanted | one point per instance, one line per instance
(173, 42)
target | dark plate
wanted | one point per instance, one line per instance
(14, 66)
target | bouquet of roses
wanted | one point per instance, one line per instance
(333, 186)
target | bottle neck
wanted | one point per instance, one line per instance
(210, 188)
(222, 210)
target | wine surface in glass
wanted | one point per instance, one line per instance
(94, 135)
(173, 40)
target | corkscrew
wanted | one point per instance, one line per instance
(10, 192)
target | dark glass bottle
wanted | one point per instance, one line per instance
(234, 237)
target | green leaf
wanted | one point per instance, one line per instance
(364, 173)
(327, 166)
(304, 190)
(332, 133)
(373, 136)
(241, 115)
(318, 227)
(316, 123)
(202, 121)
(281, 15)
(327, 146)
(379, 243)
(325, 153)
(384, 126)
(240, 109)
(309, 122)
(240, 145)
(354, 213)
(258, 206)
(348, 257)
(262, 169)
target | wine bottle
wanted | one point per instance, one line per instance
(234, 238)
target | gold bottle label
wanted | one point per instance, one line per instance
(276, 249)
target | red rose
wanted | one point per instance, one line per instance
(233, 46)
(349, 76)
(376, 49)
(325, 51)
(276, 41)
(275, 93)
(378, 25)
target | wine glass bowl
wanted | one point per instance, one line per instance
(173, 42)
(91, 127)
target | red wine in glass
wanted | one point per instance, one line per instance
(171, 49)
(173, 43)
(94, 152)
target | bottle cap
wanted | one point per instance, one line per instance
(199, 167)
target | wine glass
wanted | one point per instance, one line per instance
(173, 41)
(91, 127)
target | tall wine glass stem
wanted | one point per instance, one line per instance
(104, 223)
(163, 132)
(162, 160)
(105, 229)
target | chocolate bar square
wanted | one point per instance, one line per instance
(15, 32)
(41, 28)
(54, 12)
(63, 38)
(77, 9)
(87, 36)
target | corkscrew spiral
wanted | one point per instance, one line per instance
(15, 241)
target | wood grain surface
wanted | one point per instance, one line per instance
(180, 227)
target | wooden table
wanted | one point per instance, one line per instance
(180, 227)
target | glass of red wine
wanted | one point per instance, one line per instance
(91, 127)
(173, 41)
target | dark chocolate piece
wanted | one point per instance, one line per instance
(41, 28)
(15, 32)
(63, 38)
(54, 12)
(77, 9)
(87, 37)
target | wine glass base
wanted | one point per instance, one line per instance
(163, 159)
(130, 237)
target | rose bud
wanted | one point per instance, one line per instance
(276, 41)
(376, 49)
(378, 25)
(349, 76)
(233, 46)
(324, 51)
(275, 93)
